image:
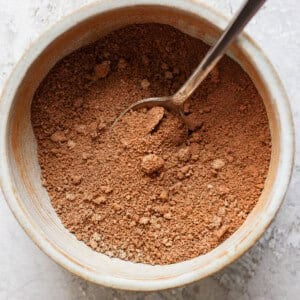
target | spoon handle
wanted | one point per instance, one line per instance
(240, 20)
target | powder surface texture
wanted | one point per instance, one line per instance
(151, 190)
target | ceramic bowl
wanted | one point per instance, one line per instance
(20, 171)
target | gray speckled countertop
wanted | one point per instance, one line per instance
(270, 270)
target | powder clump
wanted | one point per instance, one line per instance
(152, 163)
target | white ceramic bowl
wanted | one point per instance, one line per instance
(20, 172)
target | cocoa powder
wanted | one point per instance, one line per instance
(150, 190)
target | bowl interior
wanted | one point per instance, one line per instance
(43, 224)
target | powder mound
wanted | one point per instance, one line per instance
(152, 163)
(152, 190)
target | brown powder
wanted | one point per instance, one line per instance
(151, 190)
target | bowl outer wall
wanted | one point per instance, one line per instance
(287, 143)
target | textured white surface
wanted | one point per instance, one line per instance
(270, 270)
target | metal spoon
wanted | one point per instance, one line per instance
(176, 101)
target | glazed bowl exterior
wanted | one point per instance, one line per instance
(20, 171)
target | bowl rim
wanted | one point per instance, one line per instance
(201, 9)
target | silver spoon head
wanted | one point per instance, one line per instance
(148, 102)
